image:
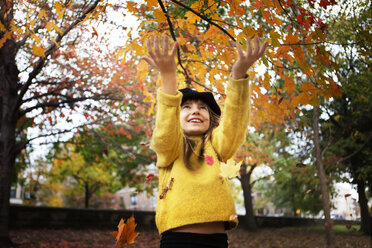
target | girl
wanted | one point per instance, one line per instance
(195, 207)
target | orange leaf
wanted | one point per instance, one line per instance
(38, 51)
(125, 233)
(347, 195)
(152, 3)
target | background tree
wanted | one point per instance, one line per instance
(52, 67)
(348, 127)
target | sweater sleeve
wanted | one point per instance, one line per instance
(231, 133)
(167, 135)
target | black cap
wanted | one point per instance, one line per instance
(206, 97)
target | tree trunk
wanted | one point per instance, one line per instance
(330, 237)
(250, 219)
(365, 225)
(8, 152)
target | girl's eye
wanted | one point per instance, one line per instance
(203, 107)
(185, 106)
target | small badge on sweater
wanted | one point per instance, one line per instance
(209, 159)
(165, 190)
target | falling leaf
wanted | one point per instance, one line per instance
(347, 195)
(230, 169)
(149, 178)
(209, 159)
(308, 191)
(348, 226)
(125, 233)
(300, 165)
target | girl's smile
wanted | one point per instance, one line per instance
(194, 117)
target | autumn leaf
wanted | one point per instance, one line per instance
(308, 191)
(209, 159)
(125, 233)
(230, 169)
(38, 51)
(149, 178)
(347, 195)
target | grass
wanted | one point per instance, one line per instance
(338, 229)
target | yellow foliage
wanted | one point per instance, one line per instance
(152, 3)
(159, 15)
(38, 51)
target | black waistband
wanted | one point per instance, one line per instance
(197, 240)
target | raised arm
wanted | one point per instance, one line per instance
(164, 62)
(167, 135)
(231, 133)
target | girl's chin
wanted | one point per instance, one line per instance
(194, 132)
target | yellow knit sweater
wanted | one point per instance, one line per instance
(198, 195)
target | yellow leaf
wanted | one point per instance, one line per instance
(36, 38)
(274, 38)
(152, 3)
(2, 27)
(230, 169)
(266, 81)
(42, 14)
(51, 25)
(159, 15)
(131, 6)
(59, 8)
(38, 51)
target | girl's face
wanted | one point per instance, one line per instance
(194, 117)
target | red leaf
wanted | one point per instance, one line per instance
(347, 195)
(308, 191)
(209, 159)
(149, 178)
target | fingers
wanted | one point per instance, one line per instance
(156, 46)
(263, 49)
(174, 49)
(165, 44)
(249, 47)
(150, 61)
(256, 45)
(240, 52)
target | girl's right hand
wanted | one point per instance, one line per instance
(161, 60)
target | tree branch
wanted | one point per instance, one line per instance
(39, 65)
(356, 152)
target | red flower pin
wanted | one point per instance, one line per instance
(209, 159)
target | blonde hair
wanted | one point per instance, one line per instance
(189, 144)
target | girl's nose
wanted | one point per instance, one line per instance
(195, 110)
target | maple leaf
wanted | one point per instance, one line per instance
(230, 169)
(209, 159)
(125, 233)
(149, 178)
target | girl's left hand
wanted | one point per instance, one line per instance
(245, 60)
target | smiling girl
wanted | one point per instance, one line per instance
(195, 207)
